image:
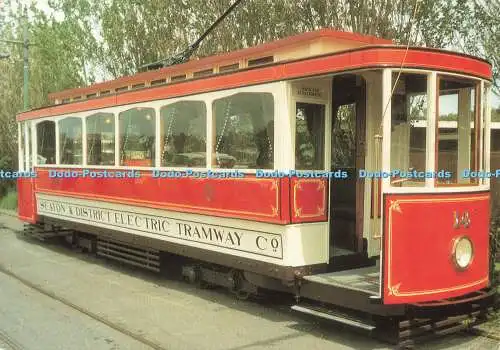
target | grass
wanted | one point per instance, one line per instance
(9, 201)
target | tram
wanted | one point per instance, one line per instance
(341, 168)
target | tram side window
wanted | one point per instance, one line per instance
(29, 152)
(46, 142)
(484, 104)
(101, 139)
(183, 134)
(309, 136)
(244, 131)
(494, 153)
(137, 137)
(22, 154)
(70, 141)
(457, 149)
(409, 129)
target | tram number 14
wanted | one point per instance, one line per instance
(461, 220)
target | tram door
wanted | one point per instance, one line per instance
(347, 154)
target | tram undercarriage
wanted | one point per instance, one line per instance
(346, 297)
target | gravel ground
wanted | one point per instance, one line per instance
(99, 305)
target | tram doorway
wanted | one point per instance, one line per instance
(347, 154)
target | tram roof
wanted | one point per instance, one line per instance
(297, 46)
(320, 43)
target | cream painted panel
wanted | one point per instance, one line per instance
(306, 244)
(371, 227)
(292, 245)
(258, 241)
(315, 47)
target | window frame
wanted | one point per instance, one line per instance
(431, 133)
(486, 88)
(155, 137)
(29, 146)
(161, 136)
(477, 127)
(324, 82)
(58, 140)
(20, 146)
(86, 120)
(281, 117)
(325, 126)
(427, 122)
(284, 107)
(213, 145)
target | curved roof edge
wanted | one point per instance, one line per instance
(297, 46)
(370, 57)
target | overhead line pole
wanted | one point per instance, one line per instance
(26, 61)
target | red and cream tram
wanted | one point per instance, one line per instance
(339, 167)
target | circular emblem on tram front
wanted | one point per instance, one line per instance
(209, 191)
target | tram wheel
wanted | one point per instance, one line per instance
(242, 295)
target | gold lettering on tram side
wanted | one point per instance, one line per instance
(255, 242)
(461, 220)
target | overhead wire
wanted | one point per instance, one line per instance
(375, 226)
(402, 63)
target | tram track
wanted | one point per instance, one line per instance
(117, 327)
(15, 346)
(11, 344)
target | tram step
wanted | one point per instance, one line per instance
(333, 316)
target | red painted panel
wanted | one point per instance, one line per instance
(26, 208)
(285, 199)
(418, 241)
(389, 57)
(246, 198)
(309, 201)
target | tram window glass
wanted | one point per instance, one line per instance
(46, 142)
(484, 104)
(309, 136)
(101, 139)
(457, 132)
(137, 137)
(183, 134)
(21, 146)
(244, 131)
(409, 129)
(70, 141)
(30, 148)
(494, 152)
